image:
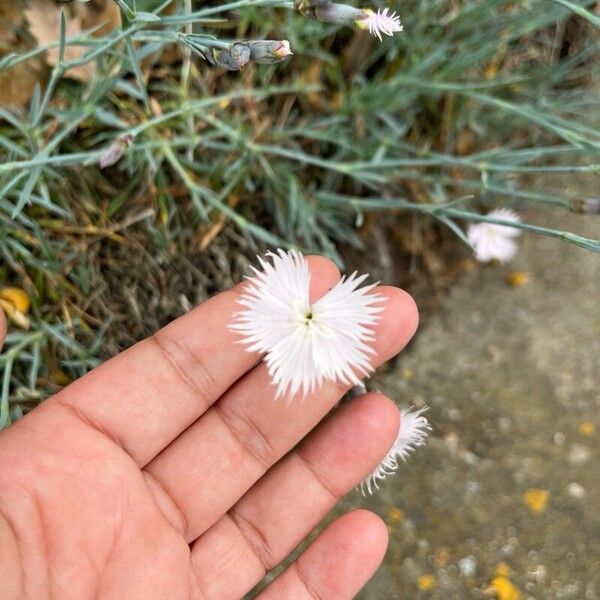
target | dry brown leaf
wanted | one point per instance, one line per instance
(44, 22)
(17, 85)
(11, 14)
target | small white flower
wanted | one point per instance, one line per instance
(305, 344)
(414, 428)
(493, 241)
(380, 22)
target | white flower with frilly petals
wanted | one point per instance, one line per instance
(414, 428)
(305, 344)
(381, 22)
(493, 241)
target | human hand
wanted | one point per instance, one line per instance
(171, 472)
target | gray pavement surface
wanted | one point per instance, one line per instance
(504, 501)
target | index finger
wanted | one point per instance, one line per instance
(146, 396)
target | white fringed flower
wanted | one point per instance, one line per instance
(305, 344)
(493, 241)
(380, 22)
(414, 428)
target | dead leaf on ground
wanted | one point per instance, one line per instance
(17, 84)
(11, 14)
(43, 17)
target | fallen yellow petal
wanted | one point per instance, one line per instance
(396, 515)
(426, 582)
(536, 500)
(587, 428)
(15, 303)
(17, 297)
(518, 278)
(504, 589)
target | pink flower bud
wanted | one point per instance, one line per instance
(115, 151)
(268, 51)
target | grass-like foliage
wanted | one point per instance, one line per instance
(459, 112)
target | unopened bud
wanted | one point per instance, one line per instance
(232, 58)
(115, 151)
(268, 52)
(339, 14)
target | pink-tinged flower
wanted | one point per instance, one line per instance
(283, 49)
(380, 22)
(492, 241)
(268, 51)
(414, 428)
(304, 343)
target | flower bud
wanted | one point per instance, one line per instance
(339, 14)
(115, 151)
(267, 52)
(232, 58)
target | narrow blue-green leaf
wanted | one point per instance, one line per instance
(146, 17)
(62, 36)
(25, 195)
(581, 11)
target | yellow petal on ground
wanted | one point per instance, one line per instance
(504, 589)
(536, 500)
(15, 303)
(396, 515)
(16, 316)
(17, 297)
(587, 428)
(426, 582)
(518, 278)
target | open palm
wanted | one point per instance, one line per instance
(171, 472)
